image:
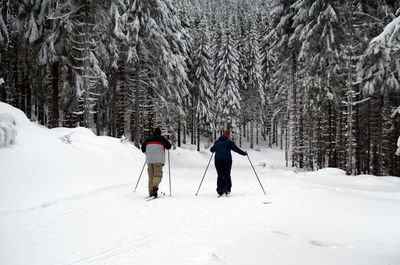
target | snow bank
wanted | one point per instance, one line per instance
(8, 132)
(10, 119)
(8, 122)
(41, 167)
(15, 116)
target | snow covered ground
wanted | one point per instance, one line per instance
(73, 203)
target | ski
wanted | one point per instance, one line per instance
(162, 194)
(150, 198)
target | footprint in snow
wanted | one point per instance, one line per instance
(281, 233)
(319, 244)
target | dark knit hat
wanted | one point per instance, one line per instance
(157, 131)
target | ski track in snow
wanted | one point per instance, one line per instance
(51, 203)
(113, 225)
(168, 230)
(69, 210)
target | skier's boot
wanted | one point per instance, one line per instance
(155, 189)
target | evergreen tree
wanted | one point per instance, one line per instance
(256, 98)
(379, 77)
(268, 62)
(203, 86)
(227, 91)
(83, 24)
(286, 70)
(155, 61)
(128, 65)
(317, 26)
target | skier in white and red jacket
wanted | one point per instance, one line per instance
(154, 147)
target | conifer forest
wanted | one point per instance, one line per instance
(318, 79)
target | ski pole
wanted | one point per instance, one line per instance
(169, 169)
(139, 176)
(256, 174)
(204, 174)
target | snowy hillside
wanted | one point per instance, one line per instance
(66, 197)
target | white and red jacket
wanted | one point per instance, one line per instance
(154, 147)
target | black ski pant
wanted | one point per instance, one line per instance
(224, 182)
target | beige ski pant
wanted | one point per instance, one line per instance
(154, 170)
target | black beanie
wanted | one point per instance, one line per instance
(157, 131)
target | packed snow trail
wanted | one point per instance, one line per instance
(101, 226)
(333, 223)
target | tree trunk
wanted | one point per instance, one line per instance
(114, 84)
(137, 109)
(179, 134)
(251, 124)
(248, 124)
(240, 135)
(191, 124)
(16, 67)
(379, 161)
(54, 120)
(198, 135)
(257, 133)
(184, 134)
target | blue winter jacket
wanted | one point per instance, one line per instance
(222, 148)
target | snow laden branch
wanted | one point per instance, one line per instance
(398, 147)
(397, 111)
(356, 102)
(389, 38)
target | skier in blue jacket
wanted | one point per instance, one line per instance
(223, 162)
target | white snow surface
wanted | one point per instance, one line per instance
(72, 202)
